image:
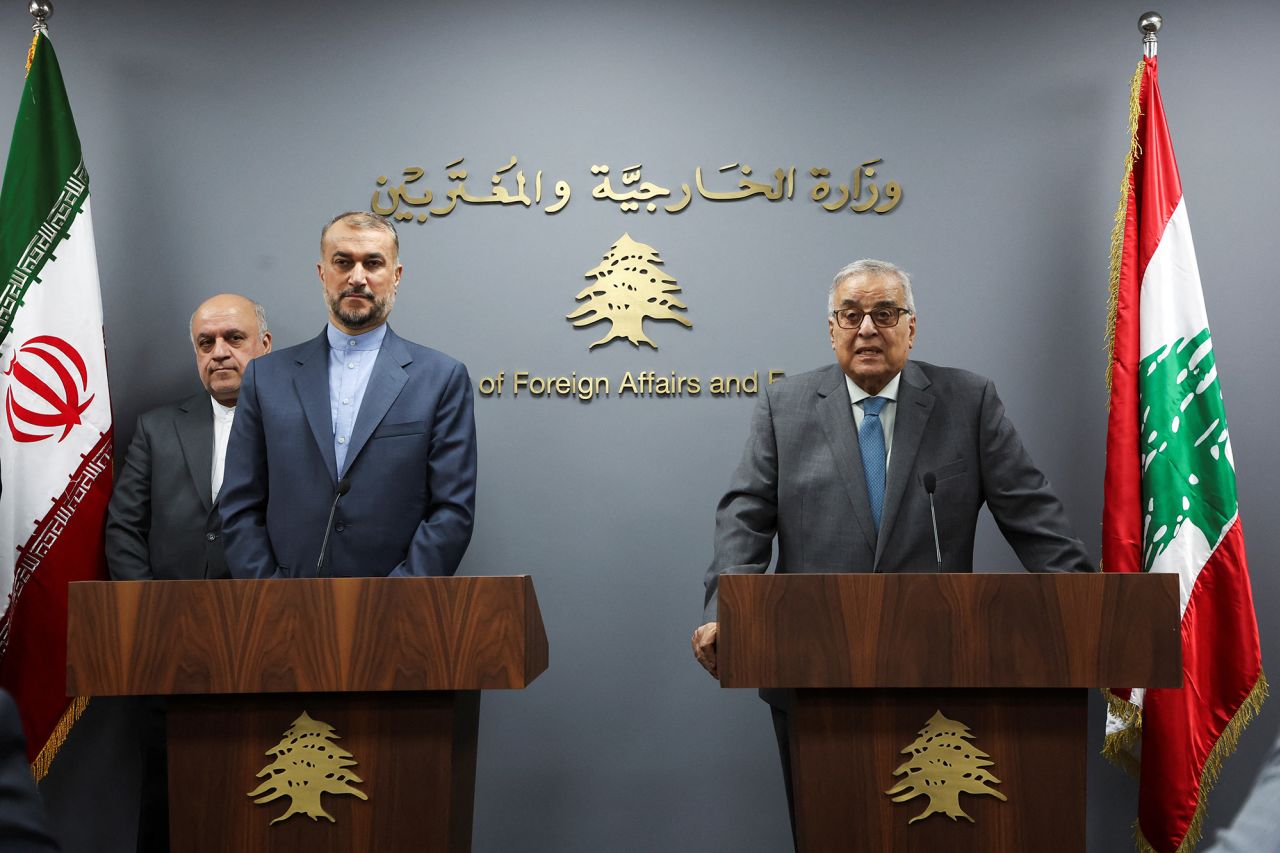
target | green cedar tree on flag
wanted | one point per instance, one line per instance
(1171, 494)
(55, 432)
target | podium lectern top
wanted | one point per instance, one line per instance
(949, 630)
(303, 635)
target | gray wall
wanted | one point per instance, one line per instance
(220, 136)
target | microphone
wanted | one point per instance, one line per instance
(344, 486)
(930, 484)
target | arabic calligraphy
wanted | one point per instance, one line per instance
(821, 190)
(509, 185)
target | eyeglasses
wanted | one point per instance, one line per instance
(884, 318)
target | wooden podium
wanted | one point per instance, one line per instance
(393, 665)
(873, 657)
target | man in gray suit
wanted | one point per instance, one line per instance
(163, 522)
(837, 460)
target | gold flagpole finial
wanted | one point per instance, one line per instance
(1150, 24)
(41, 10)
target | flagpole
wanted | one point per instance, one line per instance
(1150, 24)
(41, 10)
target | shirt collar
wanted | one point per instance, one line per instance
(857, 395)
(342, 342)
(221, 412)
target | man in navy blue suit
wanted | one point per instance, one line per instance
(357, 422)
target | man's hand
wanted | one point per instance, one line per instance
(704, 646)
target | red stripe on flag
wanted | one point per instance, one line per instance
(35, 661)
(1155, 181)
(1153, 194)
(1122, 509)
(1221, 664)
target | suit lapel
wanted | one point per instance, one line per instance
(311, 382)
(194, 425)
(915, 404)
(836, 416)
(385, 384)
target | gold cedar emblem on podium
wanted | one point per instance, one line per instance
(943, 765)
(307, 764)
(628, 289)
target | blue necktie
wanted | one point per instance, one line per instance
(871, 444)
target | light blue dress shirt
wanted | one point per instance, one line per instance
(351, 359)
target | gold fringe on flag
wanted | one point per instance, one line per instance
(40, 767)
(1117, 230)
(1226, 745)
(31, 52)
(1117, 747)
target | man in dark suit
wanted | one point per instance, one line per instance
(162, 522)
(836, 459)
(357, 417)
(24, 825)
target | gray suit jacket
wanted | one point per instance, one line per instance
(162, 522)
(801, 479)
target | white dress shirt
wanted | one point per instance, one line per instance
(222, 419)
(887, 415)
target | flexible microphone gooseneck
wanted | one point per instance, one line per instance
(930, 484)
(344, 486)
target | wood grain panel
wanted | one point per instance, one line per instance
(415, 754)
(949, 630)
(303, 635)
(847, 743)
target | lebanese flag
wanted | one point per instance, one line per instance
(1170, 502)
(55, 433)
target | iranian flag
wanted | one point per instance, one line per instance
(1171, 494)
(55, 436)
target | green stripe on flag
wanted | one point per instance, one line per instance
(44, 181)
(1188, 476)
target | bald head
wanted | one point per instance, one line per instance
(227, 331)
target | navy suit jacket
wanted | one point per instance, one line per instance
(411, 465)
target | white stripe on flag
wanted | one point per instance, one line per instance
(1172, 303)
(66, 303)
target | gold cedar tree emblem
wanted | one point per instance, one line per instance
(628, 288)
(943, 765)
(307, 764)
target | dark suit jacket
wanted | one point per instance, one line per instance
(801, 478)
(161, 522)
(411, 465)
(24, 826)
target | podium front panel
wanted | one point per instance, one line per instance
(414, 755)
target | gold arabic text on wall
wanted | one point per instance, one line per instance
(407, 201)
